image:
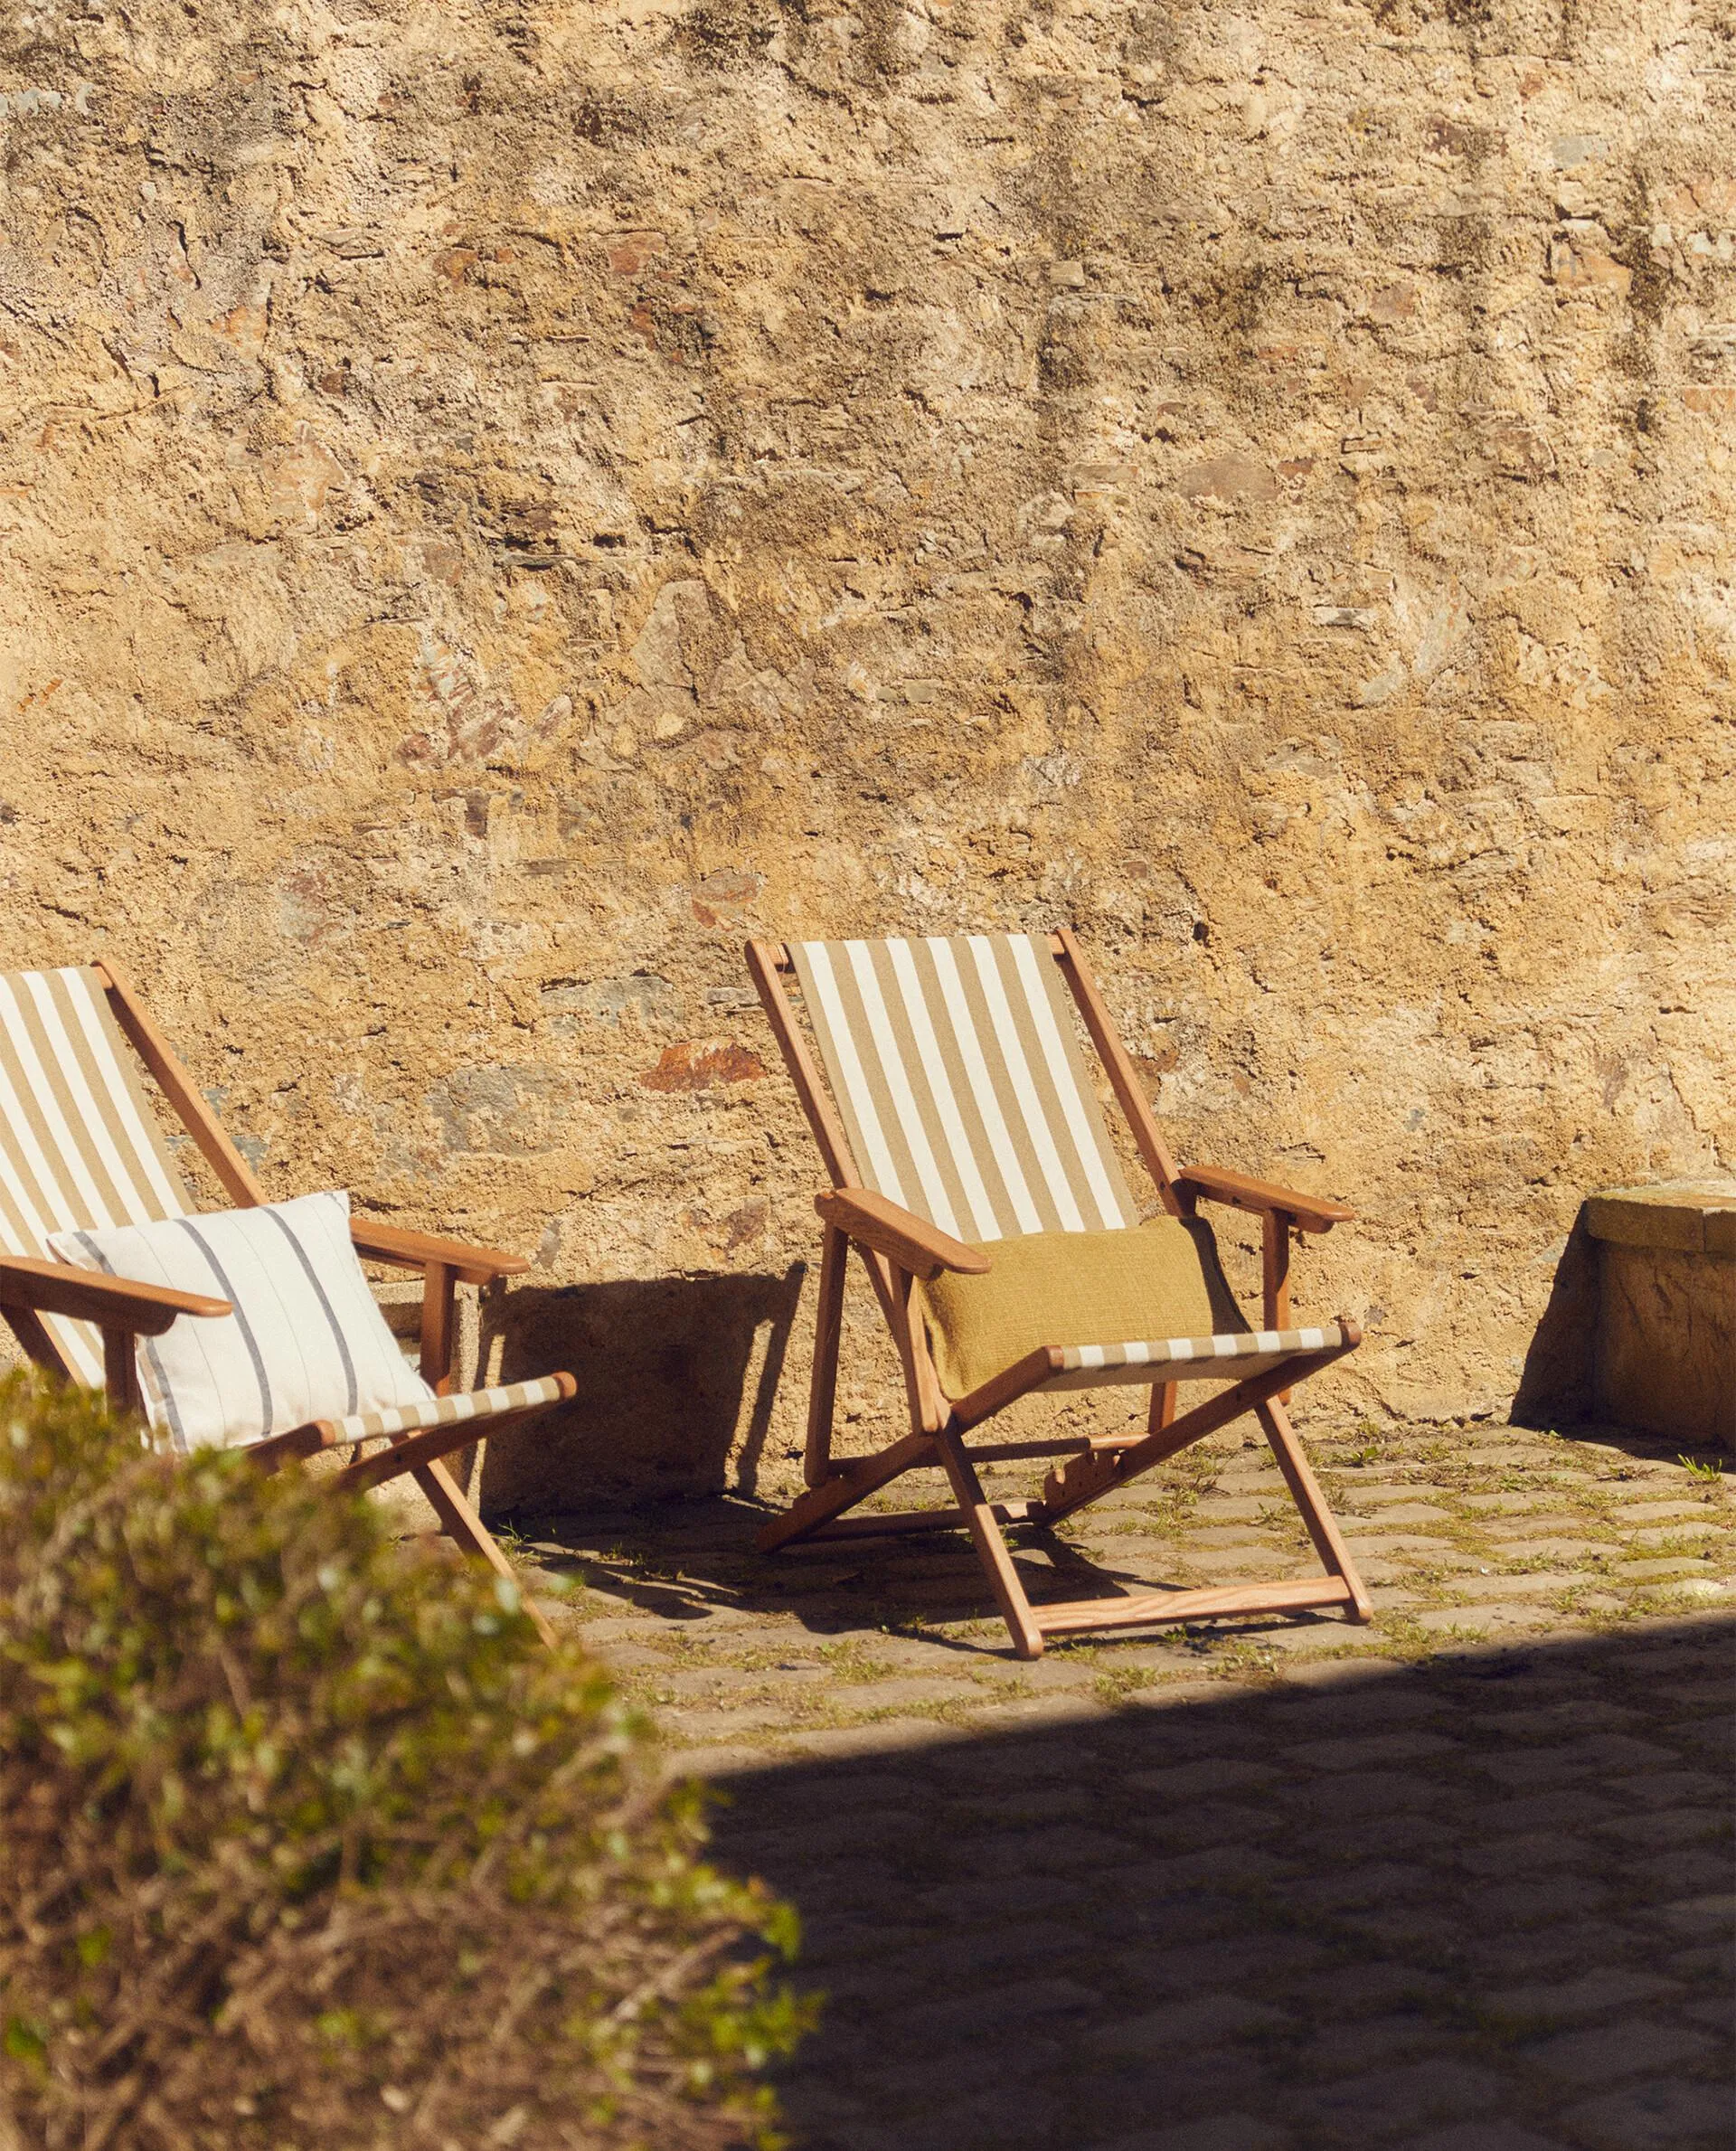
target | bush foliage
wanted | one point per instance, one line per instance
(308, 1841)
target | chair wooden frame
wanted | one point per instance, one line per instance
(125, 1310)
(897, 1247)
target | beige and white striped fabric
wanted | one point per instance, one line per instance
(1228, 1358)
(958, 1073)
(441, 1411)
(80, 1147)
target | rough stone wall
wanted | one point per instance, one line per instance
(499, 501)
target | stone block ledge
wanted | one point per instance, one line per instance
(1690, 1217)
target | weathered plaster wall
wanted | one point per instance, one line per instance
(499, 501)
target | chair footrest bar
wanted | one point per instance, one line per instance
(909, 1521)
(1164, 1607)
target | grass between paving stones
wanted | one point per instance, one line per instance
(681, 1594)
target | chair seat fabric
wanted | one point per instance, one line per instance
(1159, 1280)
(1232, 1358)
(441, 1411)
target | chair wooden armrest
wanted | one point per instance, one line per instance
(1307, 1213)
(415, 1251)
(443, 1263)
(91, 1295)
(911, 1242)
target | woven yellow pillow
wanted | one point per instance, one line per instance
(1161, 1279)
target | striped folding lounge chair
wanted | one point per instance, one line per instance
(972, 1172)
(81, 1151)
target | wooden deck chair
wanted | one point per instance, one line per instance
(80, 1149)
(960, 1132)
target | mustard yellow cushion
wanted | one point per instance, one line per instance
(1161, 1279)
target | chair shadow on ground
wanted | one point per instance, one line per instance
(686, 1559)
(1476, 1904)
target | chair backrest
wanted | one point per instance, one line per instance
(79, 1146)
(957, 1071)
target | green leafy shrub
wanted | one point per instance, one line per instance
(308, 1842)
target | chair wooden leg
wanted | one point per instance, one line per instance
(462, 1524)
(978, 1515)
(1275, 1275)
(1305, 1491)
(120, 1371)
(823, 1384)
(1162, 1406)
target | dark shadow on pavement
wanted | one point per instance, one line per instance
(1476, 1903)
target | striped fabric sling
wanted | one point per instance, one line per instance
(960, 1079)
(80, 1147)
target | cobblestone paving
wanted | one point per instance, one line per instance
(1457, 1882)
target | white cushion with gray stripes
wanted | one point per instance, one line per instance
(306, 1340)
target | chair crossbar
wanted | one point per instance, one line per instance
(1165, 1608)
(904, 1523)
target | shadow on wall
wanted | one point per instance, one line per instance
(1475, 1904)
(674, 1374)
(1557, 1385)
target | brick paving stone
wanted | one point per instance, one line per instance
(1675, 1825)
(1072, 1708)
(1389, 2098)
(967, 2016)
(1665, 1788)
(1357, 2045)
(1605, 1987)
(1602, 1752)
(1527, 1903)
(1221, 1867)
(1387, 1881)
(895, 1738)
(1370, 1751)
(1628, 2048)
(1228, 1960)
(1212, 1774)
(1650, 1571)
(1484, 2136)
(1217, 2132)
(1503, 1956)
(1525, 1853)
(1647, 1511)
(1536, 1523)
(1210, 2018)
(1503, 1584)
(1568, 1552)
(1208, 1823)
(1571, 1714)
(1670, 2114)
(1376, 1496)
(1579, 1808)
(1479, 1620)
(712, 1762)
(1685, 1869)
(715, 1727)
